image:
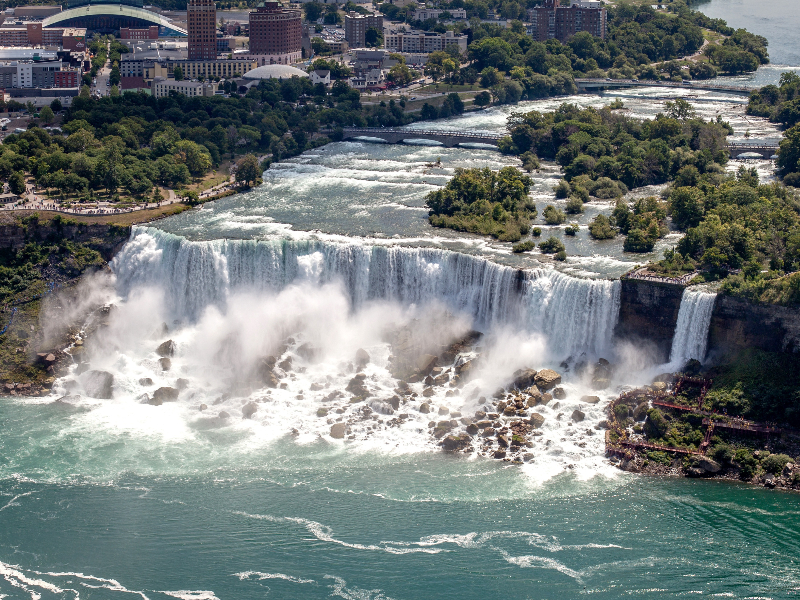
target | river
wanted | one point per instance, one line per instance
(117, 498)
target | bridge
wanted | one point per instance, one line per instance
(393, 135)
(766, 150)
(585, 85)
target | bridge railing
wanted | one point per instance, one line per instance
(672, 84)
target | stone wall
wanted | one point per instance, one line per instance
(106, 239)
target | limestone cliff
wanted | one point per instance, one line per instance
(648, 313)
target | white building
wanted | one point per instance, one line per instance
(322, 76)
(423, 14)
(422, 41)
(162, 87)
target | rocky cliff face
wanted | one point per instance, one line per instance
(106, 239)
(737, 324)
(648, 313)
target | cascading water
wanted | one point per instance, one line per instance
(576, 315)
(691, 330)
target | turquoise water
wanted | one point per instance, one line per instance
(87, 515)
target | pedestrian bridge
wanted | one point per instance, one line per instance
(394, 135)
(585, 85)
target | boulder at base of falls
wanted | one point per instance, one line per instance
(536, 420)
(640, 412)
(308, 352)
(165, 394)
(708, 465)
(472, 429)
(524, 378)
(547, 379)
(338, 430)
(166, 349)
(249, 409)
(98, 384)
(145, 381)
(357, 387)
(425, 408)
(590, 399)
(454, 443)
(499, 454)
(362, 358)
(426, 363)
(559, 393)
(578, 416)
(166, 363)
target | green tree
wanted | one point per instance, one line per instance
(247, 169)
(16, 183)
(47, 115)
(177, 72)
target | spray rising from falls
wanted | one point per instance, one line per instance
(575, 315)
(691, 331)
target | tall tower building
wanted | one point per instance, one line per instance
(275, 30)
(201, 17)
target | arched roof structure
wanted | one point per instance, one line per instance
(107, 18)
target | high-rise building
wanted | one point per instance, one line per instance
(275, 30)
(201, 17)
(553, 21)
(356, 25)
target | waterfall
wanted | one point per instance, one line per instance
(691, 330)
(576, 315)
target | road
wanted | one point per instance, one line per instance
(103, 75)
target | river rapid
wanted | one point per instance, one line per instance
(332, 255)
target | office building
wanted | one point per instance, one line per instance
(201, 19)
(275, 30)
(553, 21)
(422, 41)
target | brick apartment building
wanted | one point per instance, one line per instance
(356, 25)
(201, 19)
(33, 34)
(275, 30)
(151, 33)
(553, 21)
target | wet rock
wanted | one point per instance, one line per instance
(145, 381)
(547, 379)
(362, 358)
(527, 457)
(166, 349)
(315, 387)
(394, 402)
(428, 380)
(708, 465)
(380, 407)
(165, 394)
(546, 398)
(499, 454)
(472, 429)
(249, 409)
(286, 364)
(223, 415)
(181, 383)
(426, 363)
(603, 425)
(98, 384)
(479, 414)
(510, 410)
(590, 399)
(524, 378)
(425, 408)
(454, 443)
(166, 363)
(443, 410)
(640, 412)
(308, 352)
(502, 441)
(559, 393)
(338, 430)
(659, 386)
(578, 416)
(428, 392)
(536, 420)
(357, 387)
(488, 432)
(203, 407)
(769, 481)
(47, 358)
(322, 412)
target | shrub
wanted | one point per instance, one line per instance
(722, 453)
(536, 231)
(600, 228)
(747, 463)
(656, 425)
(774, 463)
(574, 205)
(621, 411)
(562, 255)
(563, 189)
(525, 246)
(553, 216)
(551, 245)
(572, 229)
